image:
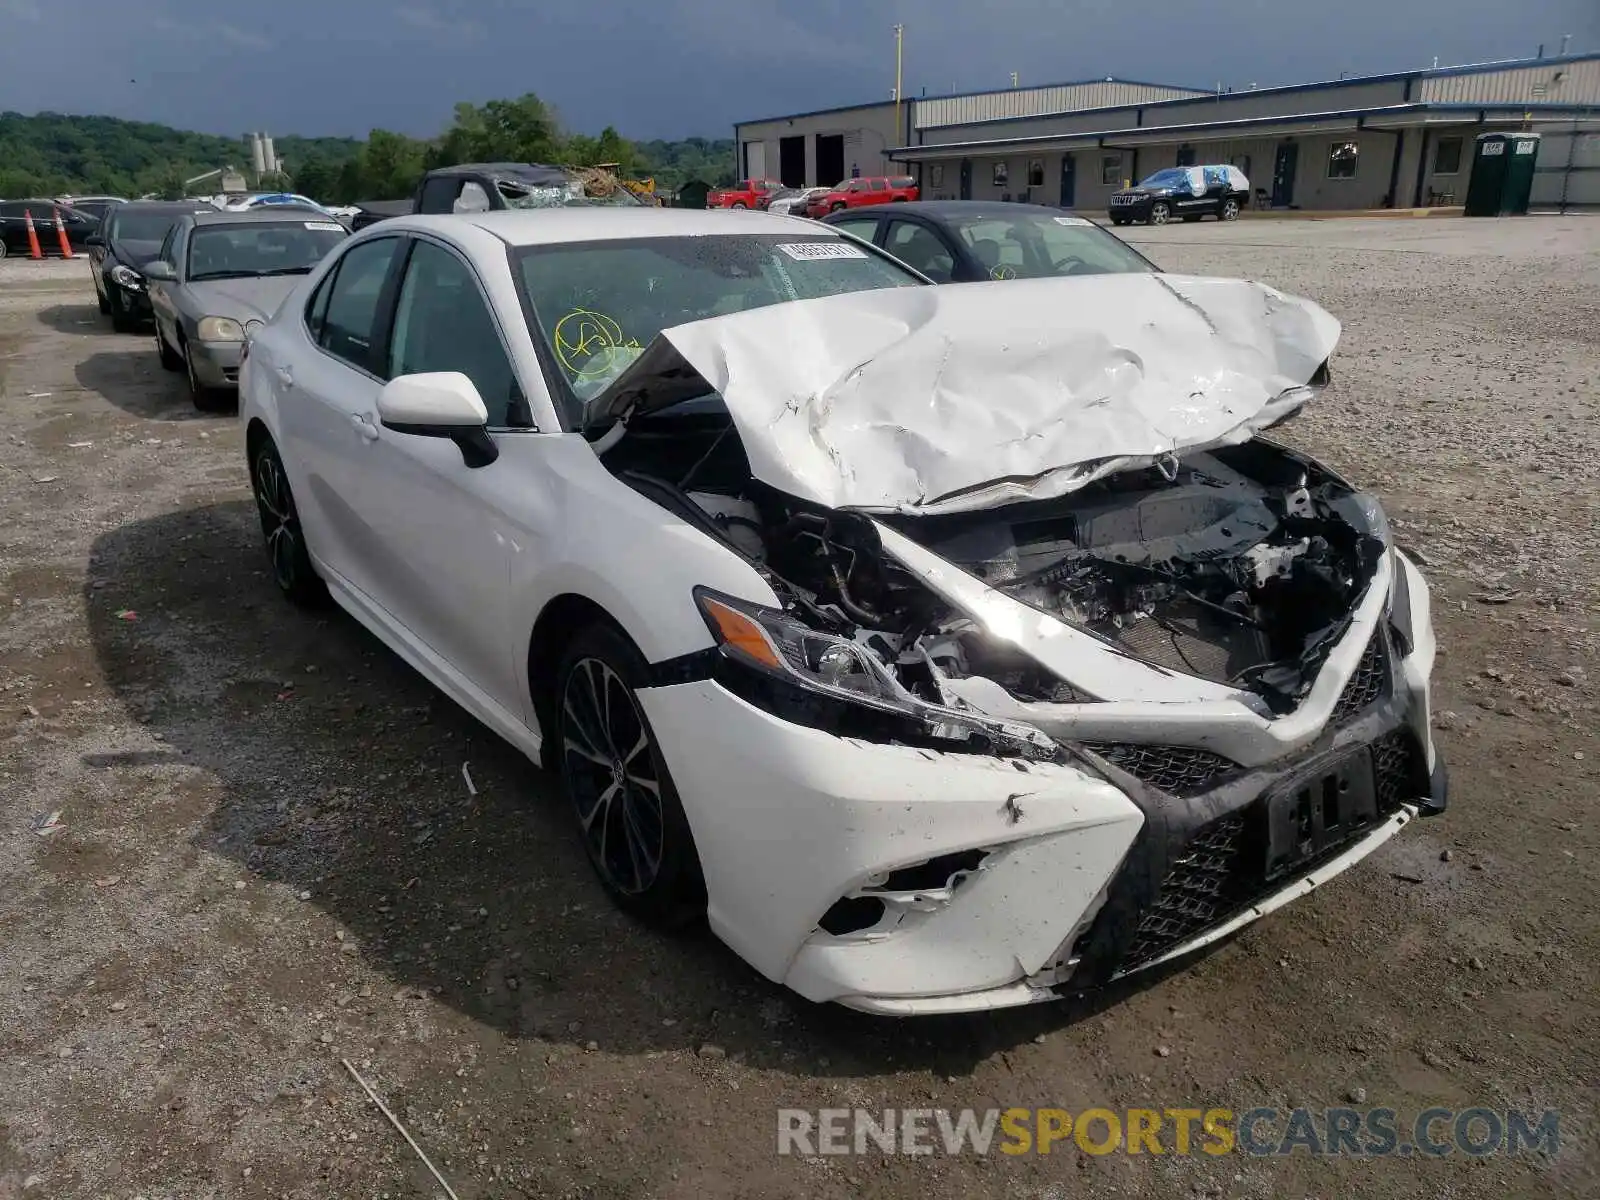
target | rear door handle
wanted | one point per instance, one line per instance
(364, 427)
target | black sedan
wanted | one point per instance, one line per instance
(14, 216)
(129, 236)
(965, 241)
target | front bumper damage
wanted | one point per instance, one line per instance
(902, 881)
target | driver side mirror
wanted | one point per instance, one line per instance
(160, 270)
(441, 404)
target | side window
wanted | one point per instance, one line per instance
(442, 323)
(865, 228)
(165, 253)
(348, 328)
(439, 194)
(879, 185)
(317, 306)
(920, 249)
(472, 199)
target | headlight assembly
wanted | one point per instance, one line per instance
(838, 685)
(127, 277)
(220, 329)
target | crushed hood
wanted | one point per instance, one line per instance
(936, 399)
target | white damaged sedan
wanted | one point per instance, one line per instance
(947, 648)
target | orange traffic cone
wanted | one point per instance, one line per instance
(61, 236)
(33, 238)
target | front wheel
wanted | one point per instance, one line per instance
(739, 204)
(632, 824)
(836, 206)
(1160, 214)
(280, 526)
(1230, 210)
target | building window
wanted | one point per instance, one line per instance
(1036, 172)
(1342, 160)
(1185, 156)
(1447, 156)
(1111, 169)
(1000, 175)
(936, 175)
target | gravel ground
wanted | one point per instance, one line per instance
(266, 858)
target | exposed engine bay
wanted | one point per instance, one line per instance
(1240, 565)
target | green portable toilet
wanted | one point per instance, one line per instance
(1502, 174)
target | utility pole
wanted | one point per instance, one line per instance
(899, 61)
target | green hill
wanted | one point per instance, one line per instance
(55, 154)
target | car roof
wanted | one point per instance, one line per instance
(193, 206)
(265, 214)
(588, 223)
(941, 210)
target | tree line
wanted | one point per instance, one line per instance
(51, 154)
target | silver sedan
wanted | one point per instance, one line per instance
(220, 274)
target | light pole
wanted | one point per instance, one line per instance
(899, 59)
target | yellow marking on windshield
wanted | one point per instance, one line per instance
(584, 340)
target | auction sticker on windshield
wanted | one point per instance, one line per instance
(805, 251)
(1073, 221)
(325, 226)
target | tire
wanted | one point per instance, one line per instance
(206, 399)
(836, 206)
(1160, 213)
(121, 321)
(170, 358)
(105, 305)
(630, 819)
(738, 204)
(281, 530)
(4, 249)
(1230, 211)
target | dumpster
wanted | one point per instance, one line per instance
(1502, 174)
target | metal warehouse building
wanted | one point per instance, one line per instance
(1402, 140)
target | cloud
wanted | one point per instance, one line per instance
(210, 31)
(426, 20)
(22, 10)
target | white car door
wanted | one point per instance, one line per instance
(325, 387)
(441, 545)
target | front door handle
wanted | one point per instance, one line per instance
(286, 375)
(364, 427)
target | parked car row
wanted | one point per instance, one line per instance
(15, 215)
(814, 201)
(944, 647)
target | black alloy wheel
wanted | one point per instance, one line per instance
(280, 526)
(632, 823)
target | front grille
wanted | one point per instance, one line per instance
(1399, 770)
(1206, 885)
(1176, 770)
(1366, 687)
(1222, 870)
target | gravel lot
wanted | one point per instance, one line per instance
(267, 859)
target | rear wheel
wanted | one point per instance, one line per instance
(739, 204)
(633, 826)
(1230, 210)
(280, 526)
(1160, 213)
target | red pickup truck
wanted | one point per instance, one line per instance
(747, 193)
(868, 189)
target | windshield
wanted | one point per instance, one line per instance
(251, 248)
(597, 305)
(142, 226)
(1172, 177)
(1038, 245)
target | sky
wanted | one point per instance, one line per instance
(680, 68)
